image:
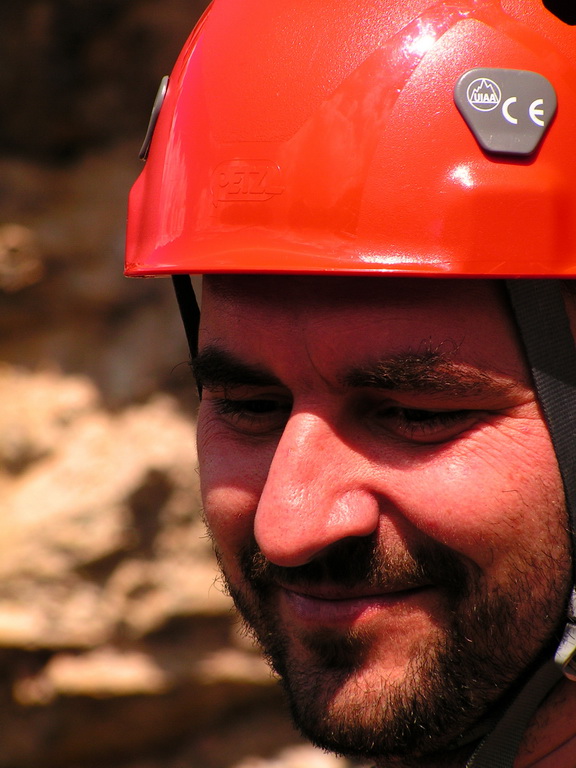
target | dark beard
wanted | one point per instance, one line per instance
(448, 686)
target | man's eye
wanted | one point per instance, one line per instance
(253, 415)
(427, 426)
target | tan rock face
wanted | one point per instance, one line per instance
(20, 263)
(87, 495)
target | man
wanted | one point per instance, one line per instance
(386, 449)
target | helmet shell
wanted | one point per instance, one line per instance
(317, 137)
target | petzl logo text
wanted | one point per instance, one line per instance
(484, 94)
(246, 181)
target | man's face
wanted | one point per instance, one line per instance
(383, 498)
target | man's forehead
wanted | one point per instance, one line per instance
(339, 322)
(353, 290)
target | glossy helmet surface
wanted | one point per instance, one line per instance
(316, 137)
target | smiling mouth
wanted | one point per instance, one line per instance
(330, 606)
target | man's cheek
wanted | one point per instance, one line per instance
(229, 515)
(229, 499)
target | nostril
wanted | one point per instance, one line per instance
(562, 9)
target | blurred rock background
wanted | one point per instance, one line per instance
(117, 646)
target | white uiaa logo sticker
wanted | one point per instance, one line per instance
(484, 94)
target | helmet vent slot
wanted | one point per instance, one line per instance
(565, 11)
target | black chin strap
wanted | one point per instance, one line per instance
(545, 331)
(549, 345)
(189, 310)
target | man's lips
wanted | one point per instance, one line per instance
(340, 606)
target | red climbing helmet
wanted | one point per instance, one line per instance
(412, 137)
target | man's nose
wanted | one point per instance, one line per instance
(317, 493)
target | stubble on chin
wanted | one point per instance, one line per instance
(345, 704)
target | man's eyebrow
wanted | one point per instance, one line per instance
(216, 367)
(428, 373)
